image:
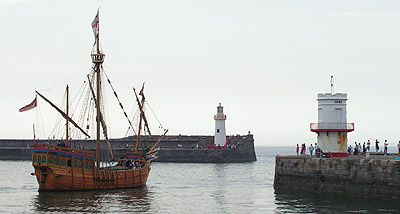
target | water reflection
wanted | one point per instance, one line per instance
(219, 177)
(291, 201)
(119, 200)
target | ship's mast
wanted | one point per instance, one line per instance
(142, 115)
(98, 106)
(140, 127)
(97, 59)
(34, 135)
(67, 127)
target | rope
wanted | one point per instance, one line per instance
(84, 109)
(120, 104)
(75, 108)
(133, 118)
(80, 92)
(58, 129)
(62, 83)
(161, 126)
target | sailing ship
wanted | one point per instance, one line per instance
(63, 168)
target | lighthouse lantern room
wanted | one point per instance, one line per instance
(332, 126)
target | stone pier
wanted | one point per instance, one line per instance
(376, 176)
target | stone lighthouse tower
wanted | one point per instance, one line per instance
(332, 126)
(220, 132)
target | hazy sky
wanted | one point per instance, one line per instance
(265, 61)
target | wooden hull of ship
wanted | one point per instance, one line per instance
(49, 180)
(56, 172)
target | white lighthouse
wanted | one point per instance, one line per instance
(220, 132)
(332, 126)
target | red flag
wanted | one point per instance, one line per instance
(30, 106)
(95, 24)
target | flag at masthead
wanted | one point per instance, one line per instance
(95, 24)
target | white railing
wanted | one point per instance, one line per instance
(332, 126)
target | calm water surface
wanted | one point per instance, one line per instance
(183, 188)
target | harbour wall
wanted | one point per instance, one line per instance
(173, 148)
(377, 176)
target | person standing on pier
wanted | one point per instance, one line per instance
(316, 150)
(311, 148)
(368, 145)
(355, 149)
(398, 148)
(376, 145)
(350, 150)
(364, 149)
(385, 147)
(301, 149)
(297, 149)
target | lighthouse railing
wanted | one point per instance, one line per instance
(219, 117)
(318, 127)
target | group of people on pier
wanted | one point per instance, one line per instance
(311, 149)
(358, 149)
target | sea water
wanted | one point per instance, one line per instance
(183, 188)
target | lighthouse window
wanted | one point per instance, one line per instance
(86, 164)
(51, 159)
(75, 164)
(34, 159)
(217, 130)
(44, 159)
(63, 162)
(80, 164)
(57, 161)
(39, 159)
